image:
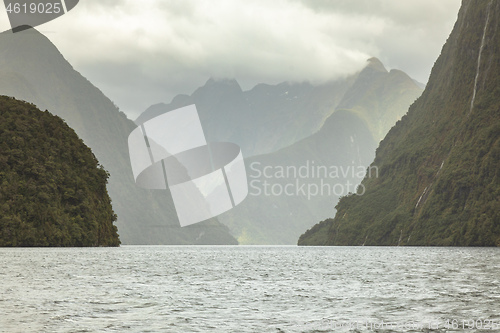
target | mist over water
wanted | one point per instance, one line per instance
(247, 289)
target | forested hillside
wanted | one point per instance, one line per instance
(52, 188)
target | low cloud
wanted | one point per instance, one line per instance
(144, 52)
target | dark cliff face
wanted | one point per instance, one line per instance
(52, 189)
(439, 167)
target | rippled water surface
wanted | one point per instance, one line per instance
(249, 289)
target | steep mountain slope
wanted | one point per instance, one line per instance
(32, 69)
(333, 161)
(439, 166)
(52, 191)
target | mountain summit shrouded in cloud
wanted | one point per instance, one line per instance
(142, 53)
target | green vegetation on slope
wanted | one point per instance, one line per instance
(439, 166)
(52, 189)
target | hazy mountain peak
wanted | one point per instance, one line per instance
(376, 64)
(226, 83)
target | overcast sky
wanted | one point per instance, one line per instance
(144, 52)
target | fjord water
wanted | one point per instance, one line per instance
(247, 289)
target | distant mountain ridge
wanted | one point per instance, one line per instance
(283, 113)
(439, 181)
(267, 118)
